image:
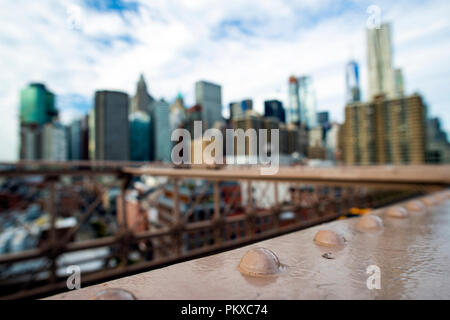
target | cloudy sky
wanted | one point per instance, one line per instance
(250, 47)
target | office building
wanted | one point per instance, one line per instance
(307, 98)
(297, 139)
(385, 131)
(30, 142)
(112, 140)
(140, 136)
(438, 147)
(85, 138)
(209, 96)
(54, 142)
(142, 99)
(74, 140)
(161, 133)
(177, 113)
(323, 117)
(238, 109)
(332, 141)
(91, 134)
(193, 114)
(274, 108)
(293, 114)
(251, 120)
(316, 136)
(352, 82)
(379, 60)
(37, 105)
(399, 83)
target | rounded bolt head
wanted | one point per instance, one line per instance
(259, 262)
(429, 201)
(439, 198)
(370, 222)
(415, 206)
(397, 212)
(114, 294)
(328, 238)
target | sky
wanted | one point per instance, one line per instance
(249, 47)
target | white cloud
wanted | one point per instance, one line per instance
(249, 47)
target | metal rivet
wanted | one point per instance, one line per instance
(259, 262)
(114, 294)
(370, 222)
(328, 238)
(429, 201)
(439, 198)
(415, 206)
(397, 212)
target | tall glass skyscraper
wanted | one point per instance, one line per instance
(177, 113)
(379, 60)
(112, 135)
(37, 105)
(399, 84)
(161, 133)
(54, 142)
(142, 99)
(37, 108)
(293, 113)
(140, 135)
(209, 96)
(238, 109)
(307, 97)
(352, 82)
(274, 108)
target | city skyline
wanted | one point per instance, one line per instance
(75, 75)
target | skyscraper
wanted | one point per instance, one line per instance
(379, 60)
(274, 108)
(293, 114)
(37, 105)
(209, 96)
(85, 138)
(193, 114)
(91, 134)
(54, 142)
(111, 126)
(75, 140)
(140, 136)
(37, 108)
(438, 147)
(352, 81)
(323, 117)
(30, 142)
(177, 112)
(78, 139)
(385, 131)
(399, 84)
(142, 99)
(238, 109)
(161, 133)
(307, 97)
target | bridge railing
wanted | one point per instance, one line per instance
(185, 213)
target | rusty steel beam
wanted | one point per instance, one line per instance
(436, 176)
(161, 261)
(411, 176)
(422, 176)
(410, 254)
